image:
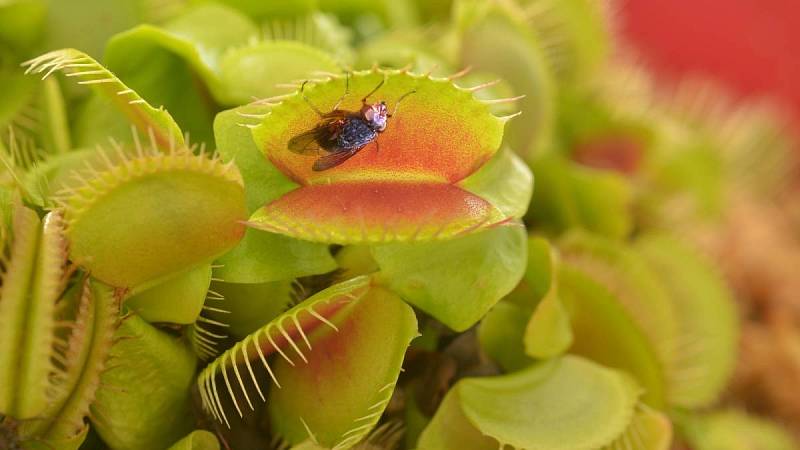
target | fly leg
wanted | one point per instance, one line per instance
(346, 91)
(364, 100)
(397, 104)
(303, 94)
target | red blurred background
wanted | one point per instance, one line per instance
(752, 46)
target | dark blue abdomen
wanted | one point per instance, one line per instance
(355, 133)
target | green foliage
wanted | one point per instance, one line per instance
(569, 196)
(176, 300)
(197, 440)
(489, 265)
(176, 275)
(27, 309)
(157, 371)
(527, 409)
(735, 430)
(706, 351)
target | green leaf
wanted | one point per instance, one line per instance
(33, 114)
(162, 64)
(707, 317)
(54, 130)
(403, 48)
(450, 429)
(247, 307)
(23, 22)
(501, 335)
(262, 256)
(144, 398)
(455, 281)
(87, 24)
(735, 430)
(548, 333)
(21, 92)
(97, 120)
(176, 300)
(355, 260)
(570, 196)
(254, 71)
(73, 442)
(49, 178)
(686, 179)
(539, 274)
(197, 440)
(268, 9)
(364, 13)
(566, 403)
(604, 331)
(527, 409)
(649, 430)
(505, 181)
(627, 276)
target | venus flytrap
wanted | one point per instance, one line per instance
(31, 280)
(586, 300)
(404, 49)
(235, 65)
(601, 403)
(394, 301)
(317, 29)
(250, 305)
(197, 440)
(178, 178)
(186, 293)
(88, 72)
(625, 345)
(626, 277)
(732, 429)
(422, 184)
(495, 37)
(90, 312)
(143, 400)
(37, 116)
(257, 259)
(577, 35)
(330, 333)
(706, 349)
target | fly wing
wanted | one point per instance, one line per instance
(307, 142)
(334, 159)
(322, 136)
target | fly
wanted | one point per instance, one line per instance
(342, 133)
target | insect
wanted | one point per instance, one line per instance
(342, 133)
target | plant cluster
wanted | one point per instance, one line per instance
(175, 276)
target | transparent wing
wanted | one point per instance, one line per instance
(307, 142)
(334, 159)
